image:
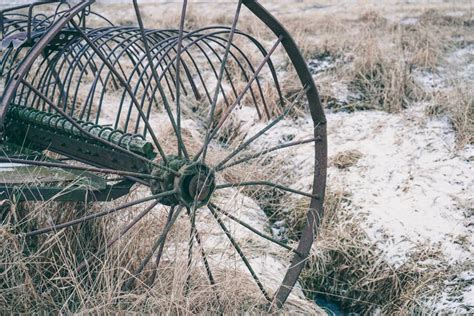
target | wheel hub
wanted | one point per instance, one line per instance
(193, 182)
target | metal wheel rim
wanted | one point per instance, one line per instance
(315, 212)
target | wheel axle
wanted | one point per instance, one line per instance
(193, 183)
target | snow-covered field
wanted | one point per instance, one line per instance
(411, 183)
(412, 186)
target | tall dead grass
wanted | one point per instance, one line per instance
(345, 266)
(376, 57)
(39, 275)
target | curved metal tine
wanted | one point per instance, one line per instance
(145, 86)
(186, 48)
(122, 232)
(89, 62)
(217, 39)
(266, 183)
(194, 42)
(156, 38)
(97, 215)
(151, 280)
(263, 130)
(158, 242)
(126, 86)
(158, 81)
(130, 46)
(210, 135)
(110, 54)
(66, 166)
(120, 39)
(265, 236)
(239, 251)
(88, 134)
(218, 84)
(266, 151)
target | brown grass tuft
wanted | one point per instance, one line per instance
(346, 267)
(346, 159)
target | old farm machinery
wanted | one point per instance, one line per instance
(86, 103)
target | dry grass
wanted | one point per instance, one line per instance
(458, 104)
(376, 56)
(38, 275)
(346, 159)
(348, 268)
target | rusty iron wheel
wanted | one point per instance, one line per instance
(127, 75)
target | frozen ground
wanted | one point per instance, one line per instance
(411, 184)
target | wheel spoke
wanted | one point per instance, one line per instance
(96, 215)
(210, 276)
(265, 183)
(192, 218)
(210, 135)
(222, 166)
(158, 242)
(235, 219)
(219, 81)
(205, 261)
(151, 280)
(239, 251)
(178, 62)
(262, 131)
(123, 231)
(157, 78)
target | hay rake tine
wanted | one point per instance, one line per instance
(170, 46)
(211, 135)
(194, 42)
(120, 45)
(219, 80)
(127, 87)
(146, 86)
(211, 37)
(158, 80)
